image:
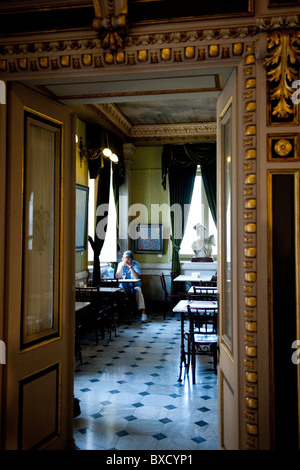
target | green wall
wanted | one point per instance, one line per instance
(146, 189)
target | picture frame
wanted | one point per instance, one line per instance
(82, 204)
(149, 238)
(283, 3)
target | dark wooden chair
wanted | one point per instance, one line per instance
(170, 300)
(178, 287)
(202, 336)
(109, 282)
(208, 283)
(101, 314)
(203, 293)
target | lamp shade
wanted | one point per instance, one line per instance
(114, 158)
(107, 152)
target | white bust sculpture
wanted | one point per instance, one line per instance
(202, 247)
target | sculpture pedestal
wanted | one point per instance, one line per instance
(202, 260)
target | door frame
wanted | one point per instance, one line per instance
(241, 55)
(50, 361)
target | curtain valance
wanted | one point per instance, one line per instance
(185, 154)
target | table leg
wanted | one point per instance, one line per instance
(182, 350)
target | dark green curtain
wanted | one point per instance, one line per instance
(96, 138)
(180, 163)
(181, 187)
(116, 146)
(203, 154)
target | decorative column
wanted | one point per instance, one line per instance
(125, 199)
(250, 242)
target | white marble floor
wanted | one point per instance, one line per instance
(130, 398)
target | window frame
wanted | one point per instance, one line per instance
(205, 221)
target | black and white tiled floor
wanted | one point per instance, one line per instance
(130, 398)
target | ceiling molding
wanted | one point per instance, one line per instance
(109, 115)
(114, 116)
(174, 133)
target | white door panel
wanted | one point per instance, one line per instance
(227, 266)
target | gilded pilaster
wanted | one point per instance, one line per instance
(250, 253)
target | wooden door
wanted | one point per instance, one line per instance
(227, 265)
(37, 388)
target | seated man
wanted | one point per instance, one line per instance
(130, 269)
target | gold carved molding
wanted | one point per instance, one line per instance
(111, 22)
(282, 65)
(107, 49)
(88, 55)
(251, 352)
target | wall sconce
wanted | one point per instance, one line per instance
(92, 154)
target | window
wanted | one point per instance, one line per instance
(109, 249)
(91, 218)
(199, 213)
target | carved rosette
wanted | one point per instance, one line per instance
(250, 300)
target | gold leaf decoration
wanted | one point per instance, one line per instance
(282, 60)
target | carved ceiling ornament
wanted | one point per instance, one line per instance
(282, 59)
(111, 22)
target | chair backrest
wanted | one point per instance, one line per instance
(173, 274)
(80, 294)
(163, 284)
(204, 320)
(87, 294)
(208, 283)
(204, 293)
(109, 282)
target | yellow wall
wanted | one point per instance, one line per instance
(81, 178)
(146, 189)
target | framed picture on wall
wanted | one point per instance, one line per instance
(82, 205)
(149, 238)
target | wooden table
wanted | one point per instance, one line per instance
(129, 281)
(98, 289)
(81, 305)
(109, 290)
(181, 308)
(189, 278)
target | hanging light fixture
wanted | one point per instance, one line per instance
(92, 154)
(107, 152)
(114, 158)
